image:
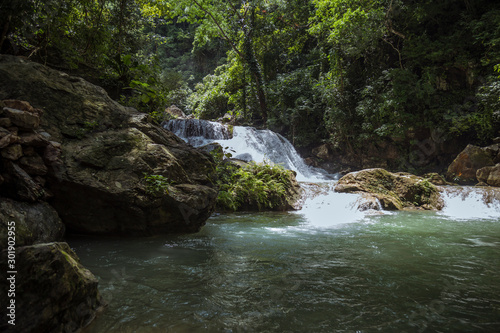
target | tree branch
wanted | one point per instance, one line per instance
(223, 34)
(388, 22)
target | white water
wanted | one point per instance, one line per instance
(470, 203)
(197, 132)
(248, 144)
(332, 209)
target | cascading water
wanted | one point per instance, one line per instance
(246, 143)
(322, 206)
(471, 203)
(198, 132)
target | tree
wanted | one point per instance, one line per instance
(234, 22)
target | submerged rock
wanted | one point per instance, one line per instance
(53, 291)
(395, 191)
(104, 156)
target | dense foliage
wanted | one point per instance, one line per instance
(346, 72)
(352, 72)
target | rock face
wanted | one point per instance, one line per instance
(53, 291)
(395, 191)
(24, 161)
(464, 168)
(419, 149)
(99, 157)
(34, 222)
(489, 175)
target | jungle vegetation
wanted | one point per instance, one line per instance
(346, 72)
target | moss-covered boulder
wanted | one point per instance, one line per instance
(395, 191)
(107, 154)
(465, 166)
(53, 291)
(33, 222)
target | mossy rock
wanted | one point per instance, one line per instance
(395, 191)
(54, 292)
(34, 222)
(98, 184)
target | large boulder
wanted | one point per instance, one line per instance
(110, 158)
(489, 175)
(33, 222)
(51, 291)
(395, 191)
(465, 166)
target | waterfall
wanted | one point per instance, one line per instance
(246, 143)
(197, 132)
(325, 206)
(471, 202)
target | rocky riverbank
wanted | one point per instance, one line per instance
(73, 159)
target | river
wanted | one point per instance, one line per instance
(325, 268)
(277, 272)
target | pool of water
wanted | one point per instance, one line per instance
(279, 272)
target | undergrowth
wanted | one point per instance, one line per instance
(253, 186)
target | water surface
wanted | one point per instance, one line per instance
(280, 272)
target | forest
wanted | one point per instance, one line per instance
(379, 213)
(343, 72)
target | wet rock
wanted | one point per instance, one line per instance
(464, 168)
(311, 161)
(368, 202)
(3, 132)
(489, 175)
(394, 191)
(34, 222)
(54, 292)
(227, 119)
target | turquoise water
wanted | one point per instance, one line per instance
(278, 272)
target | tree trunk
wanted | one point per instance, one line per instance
(255, 69)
